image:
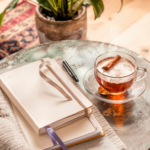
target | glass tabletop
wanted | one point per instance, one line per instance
(131, 121)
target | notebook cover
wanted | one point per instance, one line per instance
(40, 103)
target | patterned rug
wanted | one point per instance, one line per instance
(18, 30)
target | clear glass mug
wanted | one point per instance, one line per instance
(118, 85)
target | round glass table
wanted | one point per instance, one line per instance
(131, 121)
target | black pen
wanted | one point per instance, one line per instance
(67, 70)
(70, 71)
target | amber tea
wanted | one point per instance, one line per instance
(113, 80)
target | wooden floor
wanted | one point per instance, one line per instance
(130, 28)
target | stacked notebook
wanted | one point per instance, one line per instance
(43, 105)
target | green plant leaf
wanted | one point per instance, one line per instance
(121, 6)
(79, 5)
(12, 5)
(1, 17)
(98, 7)
(63, 7)
(48, 5)
(71, 3)
(60, 8)
(55, 4)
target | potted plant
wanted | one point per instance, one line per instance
(64, 19)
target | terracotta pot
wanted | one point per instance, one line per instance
(49, 30)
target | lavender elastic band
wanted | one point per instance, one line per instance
(54, 137)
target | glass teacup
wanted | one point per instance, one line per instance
(118, 84)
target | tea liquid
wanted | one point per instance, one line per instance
(114, 79)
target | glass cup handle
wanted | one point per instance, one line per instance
(141, 73)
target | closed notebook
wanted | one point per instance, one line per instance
(39, 102)
(84, 129)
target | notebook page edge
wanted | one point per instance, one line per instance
(31, 140)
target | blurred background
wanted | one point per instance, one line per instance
(129, 28)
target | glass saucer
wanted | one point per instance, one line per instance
(92, 86)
